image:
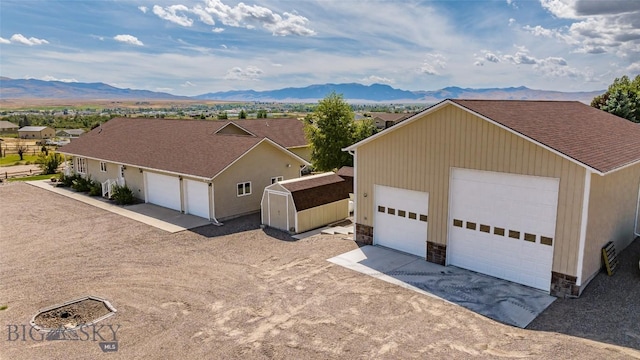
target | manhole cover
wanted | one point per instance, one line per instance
(73, 314)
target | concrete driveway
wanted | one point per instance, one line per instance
(501, 300)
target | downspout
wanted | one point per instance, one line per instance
(355, 190)
(212, 207)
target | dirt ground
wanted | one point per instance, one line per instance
(229, 292)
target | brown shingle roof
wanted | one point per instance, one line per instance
(182, 146)
(316, 190)
(288, 132)
(590, 136)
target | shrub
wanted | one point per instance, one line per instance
(82, 184)
(122, 195)
(67, 181)
(49, 163)
(95, 188)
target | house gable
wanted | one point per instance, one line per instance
(233, 129)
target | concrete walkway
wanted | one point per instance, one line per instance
(159, 217)
(500, 300)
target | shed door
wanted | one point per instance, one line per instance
(400, 220)
(278, 210)
(196, 195)
(503, 225)
(163, 190)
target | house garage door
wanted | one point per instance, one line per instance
(163, 190)
(400, 220)
(503, 225)
(196, 195)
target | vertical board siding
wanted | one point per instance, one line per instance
(322, 215)
(612, 213)
(420, 156)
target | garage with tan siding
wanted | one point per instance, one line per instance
(583, 152)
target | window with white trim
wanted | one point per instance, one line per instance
(244, 188)
(81, 165)
(276, 179)
(103, 166)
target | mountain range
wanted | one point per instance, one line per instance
(353, 92)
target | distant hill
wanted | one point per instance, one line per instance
(385, 93)
(32, 88)
(353, 92)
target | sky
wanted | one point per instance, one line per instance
(192, 47)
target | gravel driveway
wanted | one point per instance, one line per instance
(231, 292)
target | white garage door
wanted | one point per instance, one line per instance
(196, 197)
(400, 220)
(163, 190)
(503, 225)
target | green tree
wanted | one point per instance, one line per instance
(364, 129)
(622, 98)
(242, 114)
(21, 149)
(49, 163)
(262, 114)
(223, 116)
(329, 130)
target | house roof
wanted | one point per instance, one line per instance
(345, 171)
(390, 116)
(288, 132)
(71, 131)
(32, 128)
(590, 137)
(7, 125)
(316, 190)
(189, 147)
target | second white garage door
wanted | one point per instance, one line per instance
(503, 225)
(400, 220)
(163, 190)
(196, 198)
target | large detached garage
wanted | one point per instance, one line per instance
(527, 191)
(303, 204)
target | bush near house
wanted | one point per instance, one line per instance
(82, 184)
(67, 181)
(49, 163)
(122, 195)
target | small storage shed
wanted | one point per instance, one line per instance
(303, 204)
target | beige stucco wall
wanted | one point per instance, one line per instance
(322, 215)
(612, 215)
(100, 176)
(258, 166)
(419, 157)
(132, 175)
(304, 152)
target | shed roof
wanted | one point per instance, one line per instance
(32, 128)
(590, 137)
(345, 171)
(316, 190)
(189, 147)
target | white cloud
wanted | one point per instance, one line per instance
(374, 79)
(217, 30)
(51, 78)
(188, 84)
(21, 39)
(540, 31)
(143, 9)
(164, 89)
(170, 13)
(128, 39)
(241, 15)
(4, 41)
(432, 64)
(512, 21)
(599, 26)
(249, 73)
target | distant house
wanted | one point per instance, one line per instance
(527, 191)
(7, 127)
(213, 169)
(386, 120)
(36, 132)
(70, 133)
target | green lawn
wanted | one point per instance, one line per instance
(12, 159)
(33, 178)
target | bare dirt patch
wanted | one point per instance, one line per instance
(230, 292)
(72, 315)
